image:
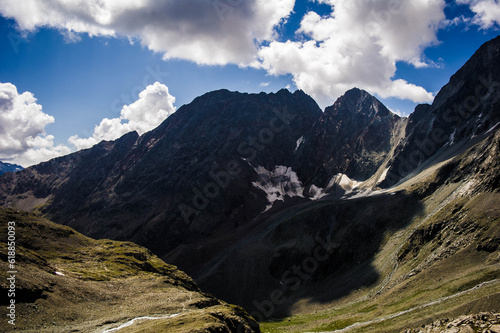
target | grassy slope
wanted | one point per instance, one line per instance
(428, 270)
(105, 283)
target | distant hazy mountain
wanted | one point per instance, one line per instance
(7, 167)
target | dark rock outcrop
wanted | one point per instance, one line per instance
(352, 137)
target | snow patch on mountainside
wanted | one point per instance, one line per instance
(383, 176)
(278, 183)
(315, 192)
(340, 184)
(491, 129)
(366, 193)
(299, 142)
(343, 181)
(283, 182)
(452, 137)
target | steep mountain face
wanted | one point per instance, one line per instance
(178, 183)
(352, 137)
(383, 246)
(66, 282)
(7, 167)
(469, 105)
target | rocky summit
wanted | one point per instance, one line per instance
(352, 219)
(352, 137)
(466, 107)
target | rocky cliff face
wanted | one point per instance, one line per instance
(468, 106)
(352, 137)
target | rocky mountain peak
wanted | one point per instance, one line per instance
(358, 101)
(182, 179)
(352, 137)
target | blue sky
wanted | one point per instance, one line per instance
(76, 70)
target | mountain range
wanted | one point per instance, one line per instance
(8, 167)
(325, 218)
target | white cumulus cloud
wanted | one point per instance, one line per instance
(213, 32)
(23, 139)
(487, 12)
(154, 105)
(359, 45)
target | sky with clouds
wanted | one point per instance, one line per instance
(75, 72)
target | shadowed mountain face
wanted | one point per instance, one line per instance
(352, 137)
(274, 205)
(177, 183)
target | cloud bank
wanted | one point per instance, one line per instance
(23, 139)
(359, 45)
(209, 32)
(486, 12)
